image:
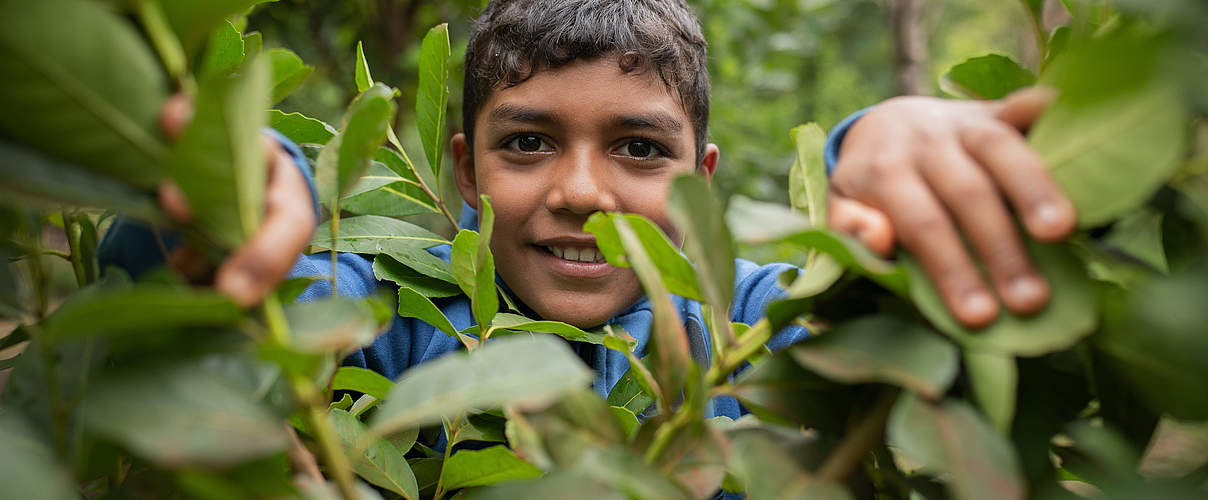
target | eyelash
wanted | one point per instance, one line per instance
(659, 150)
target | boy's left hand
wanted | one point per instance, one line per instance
(941, 172)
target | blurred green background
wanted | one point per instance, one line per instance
(774, 63)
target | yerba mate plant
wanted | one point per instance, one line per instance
(150, 387)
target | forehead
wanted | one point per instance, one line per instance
(588, 90)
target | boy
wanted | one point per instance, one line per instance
(578, 106)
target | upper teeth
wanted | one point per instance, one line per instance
(577, 253)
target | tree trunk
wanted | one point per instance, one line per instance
(910, 46)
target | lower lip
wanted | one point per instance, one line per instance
(574, 268)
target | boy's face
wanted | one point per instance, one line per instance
(560, 146)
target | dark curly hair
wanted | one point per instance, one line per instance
(513, 39)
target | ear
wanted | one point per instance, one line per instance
(463, 169)
(708, 162)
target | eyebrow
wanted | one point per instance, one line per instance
(658, 121)
(516, 113)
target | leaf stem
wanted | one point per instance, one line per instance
(73, 230)
(335, 233)
(749, 343)
(315, 410)
(667, 432)
(53, 253)
(171, 53)
(440, 202)
(861, 439)
(451, 432)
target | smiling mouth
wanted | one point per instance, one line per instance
(576, 254)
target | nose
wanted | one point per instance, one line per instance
(582, 184)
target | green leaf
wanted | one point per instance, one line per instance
(252, 44)
(882, 349)
(371, 234)
(1139, 234)
(1153, 340)
(288, 72)
(1113, 138)
(381, 464)
(75, 69)
(335, 324)
(388, 269)
(807, 177)
(632, 392)
(224, 53)
(28, 467)
(352, 378)
(854, 256)
(182, 414)
(219, 161)
(300, 129)
(620, 469)
(758, 222)
(432, 94)
(991, 76)
(1070, 316)
(628, 420)
(348, 154)
(194, 20)
(423, 262)
(676, 270)
(698, 213)
(34, 178)
(474, 266)
(510, 370)
(766, 470)
(993, 378)
(363, 79)
(668, 351)
(559, 484)
(143, 308)
(383, 192)
(412, 304)
(485, 467)
(951, 441)
(568, 332)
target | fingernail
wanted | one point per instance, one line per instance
(1047, 214)
(979, 304)
(1027, 294)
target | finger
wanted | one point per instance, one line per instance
(869, 225)
(926, 230)
(977, 207)
(187, 261)
(255, 268)
(1023, 176)
(175, 115)
(1023, 107)
(174, 202)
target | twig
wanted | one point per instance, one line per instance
(749, 343)
(300, 458)
(451, 432)
(859, 440)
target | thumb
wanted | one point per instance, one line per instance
(869, 225)
(1021, 108)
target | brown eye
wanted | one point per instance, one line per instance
(528, 143)
(639, 149)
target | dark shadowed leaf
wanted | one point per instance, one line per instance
(484, 467)
(628, 420)
(300, 129)
(952, 441)
(993, 378)
(1111, 140)
(1139, 234)
(517, 370)
(765, 470)
(137, 309)
(352, 378)
(288, 72)
(387, 268)
(35, 178)
(219, 161)
(372, 234)
(676, 270)
(363, 78)
(991, 76)
(1070, 316)
(432, 94)
(348, 154)
(632, 392)
(560, 484)
(382, 463)
(336, 324)
(882, 349)
(779, 390)
(28, 467)
(623, 471)
(224, 52)
(77, 69)
(182, 414)
(1154, 339)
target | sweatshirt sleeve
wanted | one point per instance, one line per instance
(834, 141)
(755, 287)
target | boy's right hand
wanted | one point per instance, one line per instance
(253, 270)
(933, 174)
